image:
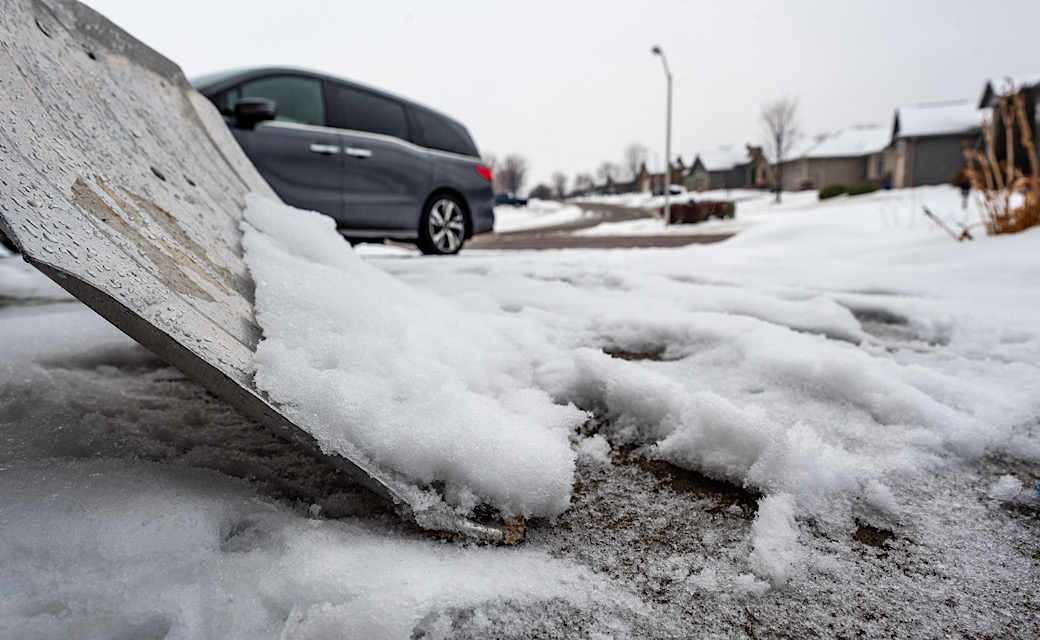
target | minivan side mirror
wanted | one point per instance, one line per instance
(250, 111)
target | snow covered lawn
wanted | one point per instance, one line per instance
(827, 426)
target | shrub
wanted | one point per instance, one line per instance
(1009, 198)
(831, 190)
(863, 187)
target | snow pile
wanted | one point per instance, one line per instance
(375, 368)
(825, 358)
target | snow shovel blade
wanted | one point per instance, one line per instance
(124, 186)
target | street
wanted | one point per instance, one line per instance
(563, 236)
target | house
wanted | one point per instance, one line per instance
(927, 141)
(723, 168)
(1029, 88)
(647, 182)
(850, 156)
(729, 167)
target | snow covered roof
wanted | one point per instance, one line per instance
(995, 86)
(724, 158)
(851, 143)
(800, 146)
(936, 119)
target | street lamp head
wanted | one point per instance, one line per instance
(656, 50)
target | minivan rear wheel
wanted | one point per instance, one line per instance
(442, 229)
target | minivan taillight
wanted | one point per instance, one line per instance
(485, 172)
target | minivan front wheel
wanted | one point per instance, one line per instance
(443, 227)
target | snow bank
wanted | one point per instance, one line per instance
(825, 358)
(371, 366)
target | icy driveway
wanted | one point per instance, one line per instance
(827, 426)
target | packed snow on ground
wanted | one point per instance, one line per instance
(860, 386)
(536, 214)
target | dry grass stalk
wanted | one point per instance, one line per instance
(1027, 135)
(1008, 200)
(990, 165)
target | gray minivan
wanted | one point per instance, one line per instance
(380, 165)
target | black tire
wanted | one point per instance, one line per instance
(442, 228)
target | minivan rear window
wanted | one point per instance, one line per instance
(364, 111)
(437, 132)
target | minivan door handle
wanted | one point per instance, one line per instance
(358, 153)
(325, 149)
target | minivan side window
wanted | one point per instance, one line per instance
(361, 110)
(300, 100)
(438, 132)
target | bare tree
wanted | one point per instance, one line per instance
(559, 183)
(582, 182)
(780, 119)
(607, 171)
(634, 156)
(512, 173)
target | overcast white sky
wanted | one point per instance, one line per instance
(571, 84)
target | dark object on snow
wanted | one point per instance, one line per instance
(831, 191)
(691, 212)
(860, 188)
(509, 199)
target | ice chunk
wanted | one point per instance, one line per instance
(777, 554)
(1006, 488)
(594, 450)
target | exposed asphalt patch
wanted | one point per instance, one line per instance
(873, 536)
(655, 356)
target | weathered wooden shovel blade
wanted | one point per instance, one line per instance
(123, 185)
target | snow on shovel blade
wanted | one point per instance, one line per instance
(124, 185)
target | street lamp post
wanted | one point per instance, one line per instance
(657, 51)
